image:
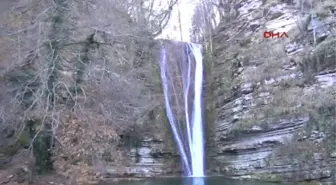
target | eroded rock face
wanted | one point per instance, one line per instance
(253, 136)
(151, 159)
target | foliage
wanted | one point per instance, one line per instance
(323, 8)
(322, 59)
(42, 150)
(324, 55)
(65, 59)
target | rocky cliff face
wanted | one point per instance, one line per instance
(152, 158)
(273, 99)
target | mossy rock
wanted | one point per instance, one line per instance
(267, 177)
(309, 183)
(24, 139)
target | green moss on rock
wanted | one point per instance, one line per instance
(267, 177)
(309, 183)
(41, 136)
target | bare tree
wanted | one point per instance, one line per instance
(207, 16)
(152, 14)
(203, 22)
(87, 60)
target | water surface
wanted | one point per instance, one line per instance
(193, 181)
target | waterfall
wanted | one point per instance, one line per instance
(197, 136)
(181, 67)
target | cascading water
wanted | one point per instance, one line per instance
(197, 136)
(182, 79)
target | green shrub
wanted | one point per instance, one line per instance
(325, 54)
(322, 8)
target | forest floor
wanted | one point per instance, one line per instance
(20, 171)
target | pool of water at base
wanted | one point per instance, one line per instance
(191, 181)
